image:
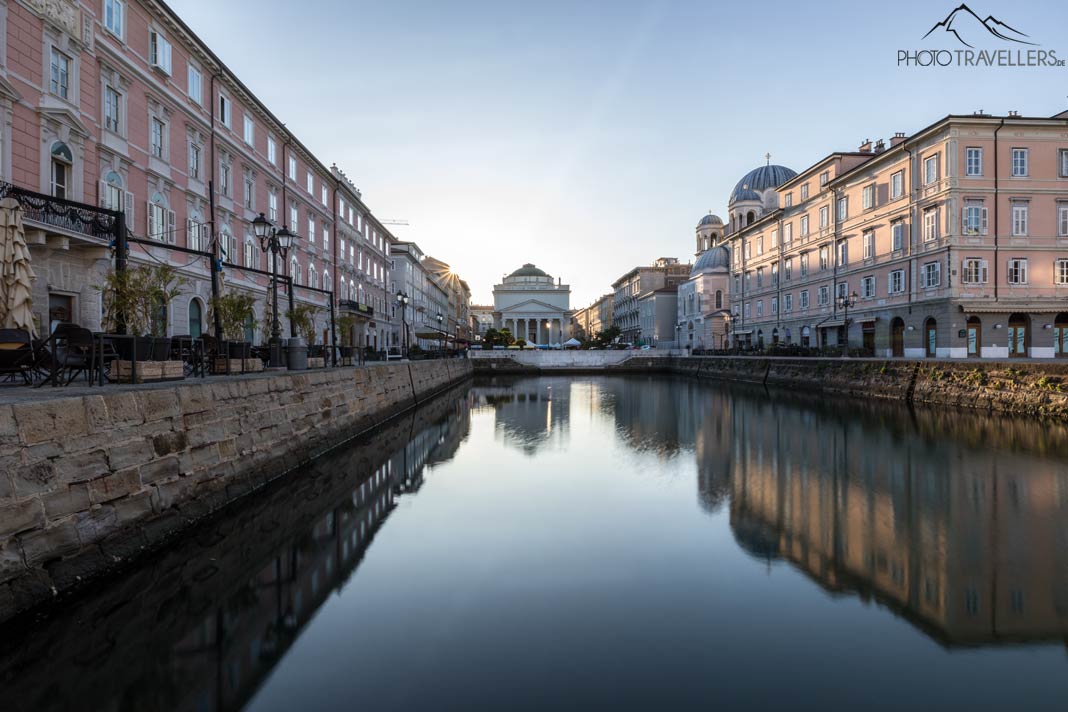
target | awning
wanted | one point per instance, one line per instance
(431, 335)
(831, 324)
(868, 320)
(1005, 308)
(743, 332)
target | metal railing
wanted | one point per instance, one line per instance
(79, 218)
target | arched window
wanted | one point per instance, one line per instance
(196, 316)
(160, 219)
(327, 284)
(112, 192)
(62, 160)
(313, 277)
(715, 237)
(196, 232)
(228, 245)
(294, 269)
(750, 217)
(719, 299)
(250, 252)
(352, 291)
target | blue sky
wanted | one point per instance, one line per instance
(589, 137)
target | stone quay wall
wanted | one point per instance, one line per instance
(90, 481)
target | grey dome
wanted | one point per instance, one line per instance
(716, 258)
(710, 219)
(761, 179)
(744, 194)
(528, 270)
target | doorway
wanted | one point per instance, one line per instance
(1019, 335)
(930, 329)
(1060, 336)
(975, 337)
(897, 337)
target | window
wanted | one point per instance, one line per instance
(224, 178)
(823, 297)
(760, 308)
(973, 271)
(930, 224)
(294, 216)
(250, 192)
(197, 235)
(272, 206)
(250, 131)
(313, 278)
(111, 193)
(774, 305)
(747, 310)
(160, 220)
(1062, 220)
(824, 177)
(930, 275)
(897, 281)
(292, 169)
(1063, 162)
(159, 52)
(869, 244)
(62, 159)
(325, 196)
(897, 185)
(804, 265)
(930, 170)
(1019, 161)
(789, 203)
(788, 302)
(897, 232)
(802, 299)
(774, 238)
(156, 139)
(311, 230)
(114, 11)
(195, 85)
(294, 270)
(1060, 271)
(842, 290)
(804, 226)
(311, 183)
(760, 277)
(973, 162)
(867, 287)
(843, 209)
(224, 111)
(60, 74)
(825, 256)
(1018, 270)
(974, 218)
(194, 160)
(824, 216)
(788, 233)
(843, 253)
(1019, 218)
(112, 110)
(748, 280)
(272, 151)
(326, 237)
(760, 245)
(804, 192)
(868, 197)
(250, 252)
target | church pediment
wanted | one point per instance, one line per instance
(533, 306)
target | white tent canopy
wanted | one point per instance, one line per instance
(572, 344)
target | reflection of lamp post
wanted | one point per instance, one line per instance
(846, 302)
(678, 339)
(402, 301)
(441, 318)
(277, 242)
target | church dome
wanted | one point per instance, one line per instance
(710, 260)
(710, 219)
(528, 270)
(759, 180)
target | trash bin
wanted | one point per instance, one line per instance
(297, 354)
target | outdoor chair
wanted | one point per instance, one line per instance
(16, 355)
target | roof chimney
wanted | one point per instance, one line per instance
(1013, 112)
(898, 138)
(865, 147)
(880, 146)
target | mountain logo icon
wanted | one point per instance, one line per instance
(968, 27)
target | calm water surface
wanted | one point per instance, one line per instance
(586, 543)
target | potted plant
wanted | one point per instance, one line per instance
(236, 312)
(302, 317)
(346, 323)
(140, 297)
(162, 284)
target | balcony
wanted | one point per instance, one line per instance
(56, 222)
(352, 307)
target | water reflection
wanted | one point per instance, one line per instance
(202, 626)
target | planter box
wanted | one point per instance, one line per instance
(346, 361)
(147, 371)
(237, 365)
(319, 362)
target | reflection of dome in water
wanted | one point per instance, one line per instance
(712, 490)
(754, 537)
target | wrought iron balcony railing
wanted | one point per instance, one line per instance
(67, 215)
(356, 307)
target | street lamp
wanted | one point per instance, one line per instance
(441, 330)
(402, 301)
(276, 242)
(846, 303)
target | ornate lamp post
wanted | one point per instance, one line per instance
(846, 303)
(441, 318)
(402, 301)
(276, 242)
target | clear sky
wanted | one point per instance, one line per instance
(590, 137)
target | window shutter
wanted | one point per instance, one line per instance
(983, 267)
(128, 208)
(192, 234)
(102, 193)
(171, 227)
(964, 272)
(167, 56)
(984, 223)
(148, 221)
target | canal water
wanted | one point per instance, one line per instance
(586, 543)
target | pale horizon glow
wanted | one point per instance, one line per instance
(588, 140)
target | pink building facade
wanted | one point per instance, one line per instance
(952, 243)
(118, 104)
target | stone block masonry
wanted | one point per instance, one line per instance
(89, 481)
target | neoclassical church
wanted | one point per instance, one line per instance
(534, 306)
(704, 299)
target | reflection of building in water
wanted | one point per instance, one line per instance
(205, 630)
(529, 413)
(971, 547)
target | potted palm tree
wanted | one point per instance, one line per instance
(236, 312)
(302, 317)
(162, 285)
(346, 323)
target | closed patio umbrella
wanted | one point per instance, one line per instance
(16, 274)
